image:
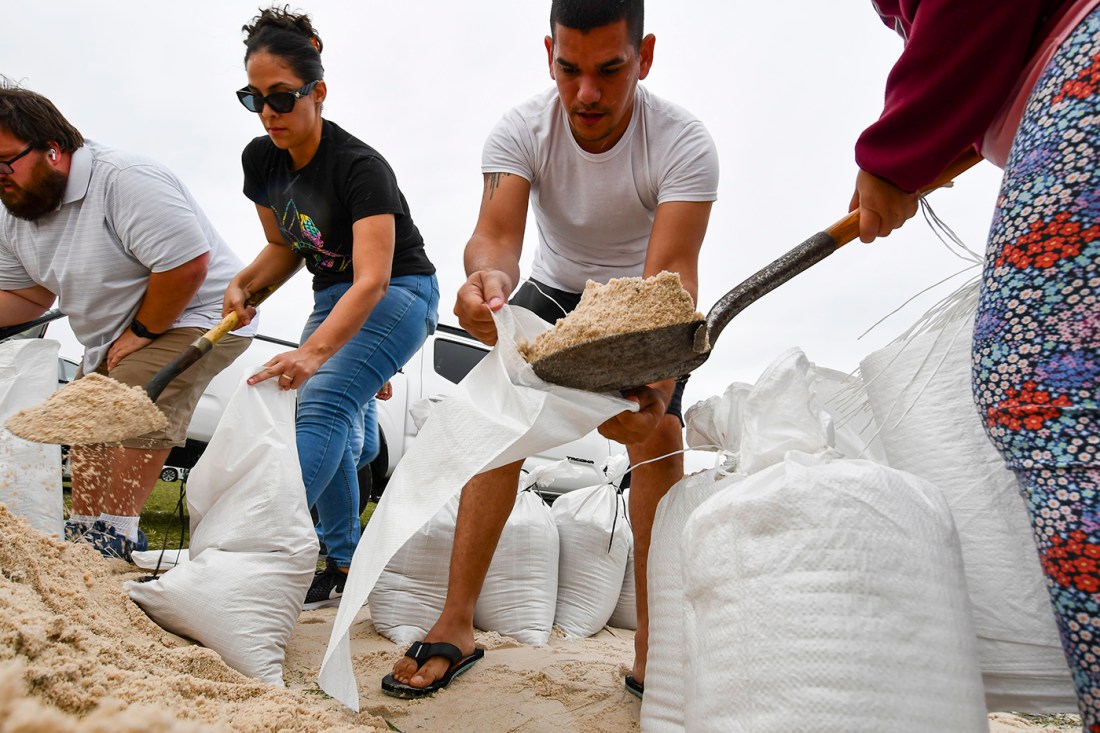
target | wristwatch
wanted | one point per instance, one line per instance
(139, 329)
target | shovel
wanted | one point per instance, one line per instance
(629, 360)
(128, 416)
(201, 346)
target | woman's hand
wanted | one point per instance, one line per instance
(386, 392)
(233, 302)
(291, 368)
(883, 207)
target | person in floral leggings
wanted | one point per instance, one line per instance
(1022, 80)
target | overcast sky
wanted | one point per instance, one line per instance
(784, 88)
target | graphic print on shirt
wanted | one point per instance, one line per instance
(305, 239)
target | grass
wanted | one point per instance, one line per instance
(161, 521)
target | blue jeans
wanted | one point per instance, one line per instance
(336, 421)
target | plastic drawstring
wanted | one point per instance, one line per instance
(545, 295)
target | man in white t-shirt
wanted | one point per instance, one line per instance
(139, 271)
(621, 183)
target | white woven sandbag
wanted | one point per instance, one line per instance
(594, 542)
(253, 547)
(500, 413)
(410, 592)
(666, 679)
(921, 396)
(829, 594)
(625, 615)
(30, 473)
(844, 397)
(518, 596)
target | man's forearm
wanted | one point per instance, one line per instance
(20, 306)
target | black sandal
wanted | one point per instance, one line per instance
(421, 653)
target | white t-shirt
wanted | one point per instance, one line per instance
(594, 211)
(122, 217)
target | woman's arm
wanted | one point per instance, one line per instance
(275, 263)
(372, 260)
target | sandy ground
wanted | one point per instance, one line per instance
(77, 656)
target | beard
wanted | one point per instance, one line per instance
(41, 195)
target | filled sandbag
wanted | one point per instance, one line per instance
(521, 586)
(410, 592)
(714, 424)
(253, 549)
(500, 413)
(595, 540)
(919, 389)
(30, 473)
(625, 615)
(822, 588)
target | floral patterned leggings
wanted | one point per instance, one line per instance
(1036, 362)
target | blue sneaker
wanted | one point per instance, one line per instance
(110, 543)
(74, 531)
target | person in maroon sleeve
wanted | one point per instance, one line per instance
(1019, 82)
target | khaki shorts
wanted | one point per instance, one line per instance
(179, 398)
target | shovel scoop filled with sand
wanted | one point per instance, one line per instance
(93, 409)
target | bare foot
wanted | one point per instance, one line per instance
(405, 670)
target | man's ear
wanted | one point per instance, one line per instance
(550, 55)
(646, 55)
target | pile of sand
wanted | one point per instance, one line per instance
(77, 656)
(623, 305)
(93, 409)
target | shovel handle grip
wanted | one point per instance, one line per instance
(847, 229)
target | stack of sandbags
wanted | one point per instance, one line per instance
(919, 389)
(818, 588)
(30, 473)
(253, 549)
(595, 542)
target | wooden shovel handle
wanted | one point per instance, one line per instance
(847, 229)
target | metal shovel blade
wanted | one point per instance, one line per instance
(625, 361)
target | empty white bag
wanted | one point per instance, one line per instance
(500, 413)
(30, 473)
(253, 547)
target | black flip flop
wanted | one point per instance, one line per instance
(421, 653)
(633, 686)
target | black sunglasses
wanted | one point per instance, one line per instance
(281, 102)
(5, 165)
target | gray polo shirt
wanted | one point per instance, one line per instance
(123, 217)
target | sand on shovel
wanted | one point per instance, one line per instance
(623, 305)
(93, 409)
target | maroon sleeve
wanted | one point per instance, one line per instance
(960, 64)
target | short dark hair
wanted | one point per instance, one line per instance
(584, 15)
(31, 117)
(290, 36)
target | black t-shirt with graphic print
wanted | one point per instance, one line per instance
(315, 207)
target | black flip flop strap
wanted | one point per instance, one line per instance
(421, 652)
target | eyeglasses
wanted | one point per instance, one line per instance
(5, 165)
(281, 102)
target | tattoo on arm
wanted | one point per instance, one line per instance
(492, 182)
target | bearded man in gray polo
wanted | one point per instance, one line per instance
(138, 269)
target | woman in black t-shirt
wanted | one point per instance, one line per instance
(328, 199)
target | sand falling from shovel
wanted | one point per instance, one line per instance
(93, 409)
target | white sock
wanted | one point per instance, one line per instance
(85, 519)
(125, 526)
